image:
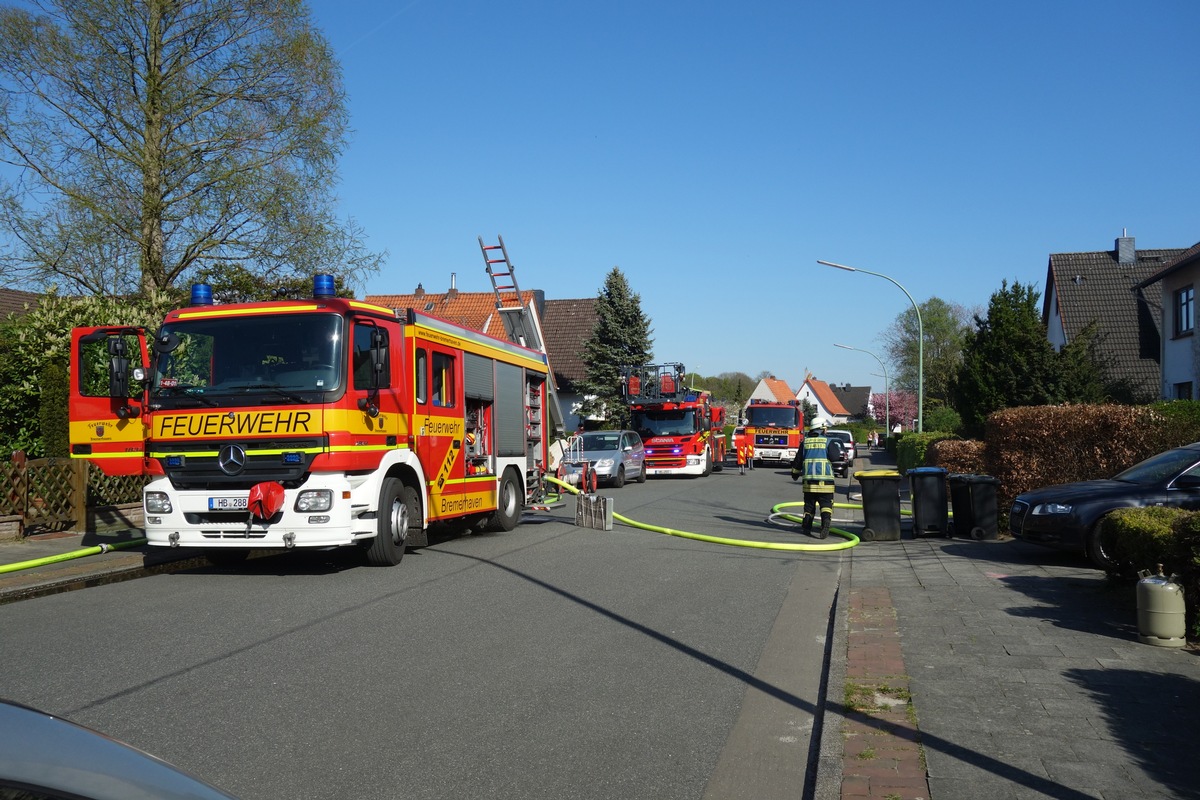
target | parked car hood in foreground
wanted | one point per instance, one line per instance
(48, 753)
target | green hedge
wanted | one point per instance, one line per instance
(912, 448)
(1144, 538)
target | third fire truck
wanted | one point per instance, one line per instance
(774, 428)
(684, 433)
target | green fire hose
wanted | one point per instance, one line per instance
(86, 551)
(850, 539)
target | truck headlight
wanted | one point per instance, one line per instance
(157, 503)
(314, 500)
(1051, 508)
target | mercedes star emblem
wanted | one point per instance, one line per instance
(231, 459)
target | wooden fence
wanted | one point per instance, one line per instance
(60, 494)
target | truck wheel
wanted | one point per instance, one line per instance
(398, 509)
(509, 512)
(707, 463)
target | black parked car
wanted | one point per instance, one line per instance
(1067, 516)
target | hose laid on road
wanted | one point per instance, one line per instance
(851, 539)
(87, 551)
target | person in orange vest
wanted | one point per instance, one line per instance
(743, 450)
(749, 452)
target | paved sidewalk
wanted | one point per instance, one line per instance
(1000, 670)
(124, 562)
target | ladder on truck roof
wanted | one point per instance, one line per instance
(518, 320)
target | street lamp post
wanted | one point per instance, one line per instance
(920, 337)
(887, 391)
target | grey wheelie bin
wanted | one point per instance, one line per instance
(881, 504)
(930, 517)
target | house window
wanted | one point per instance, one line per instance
(1185, 310)
(1183, 391)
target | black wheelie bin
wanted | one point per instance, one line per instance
(881, 504)
(929, 501)
(962, 518)
(984, 514)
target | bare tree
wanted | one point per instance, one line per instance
(155, 138)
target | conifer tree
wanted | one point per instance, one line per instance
(1008, 360)
(621, 338)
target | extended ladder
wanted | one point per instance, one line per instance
(518, 320)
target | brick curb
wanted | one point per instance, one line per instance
(881, 755)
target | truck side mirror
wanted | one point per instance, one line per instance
(118, 368)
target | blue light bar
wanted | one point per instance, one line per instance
(201, 294)
(174, 461)
(323, 286)
(293, 458)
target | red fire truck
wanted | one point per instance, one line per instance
(684, 433)
(775, 429)
(311, 423)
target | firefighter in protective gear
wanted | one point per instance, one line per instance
(812, 465)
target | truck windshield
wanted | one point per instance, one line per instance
(767, 417)
(283, 358)
(680, 422)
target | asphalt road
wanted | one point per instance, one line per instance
(549, 662)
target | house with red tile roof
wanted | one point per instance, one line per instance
(829, 407)
(770, 390)
(475, 310)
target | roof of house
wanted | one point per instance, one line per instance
(475, 310)
(1098, 287)
(566, 326)
(13, 301)
(1187, 257)
(829, 401)
(778, 389)
(853, 398)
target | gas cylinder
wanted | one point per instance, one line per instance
(1160, 611)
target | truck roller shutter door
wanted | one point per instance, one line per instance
(479, 377)
(510, 410)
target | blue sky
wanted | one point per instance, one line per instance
(714, 151)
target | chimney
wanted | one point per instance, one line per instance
(1126, 254)
(453, 293)
(420, 292)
